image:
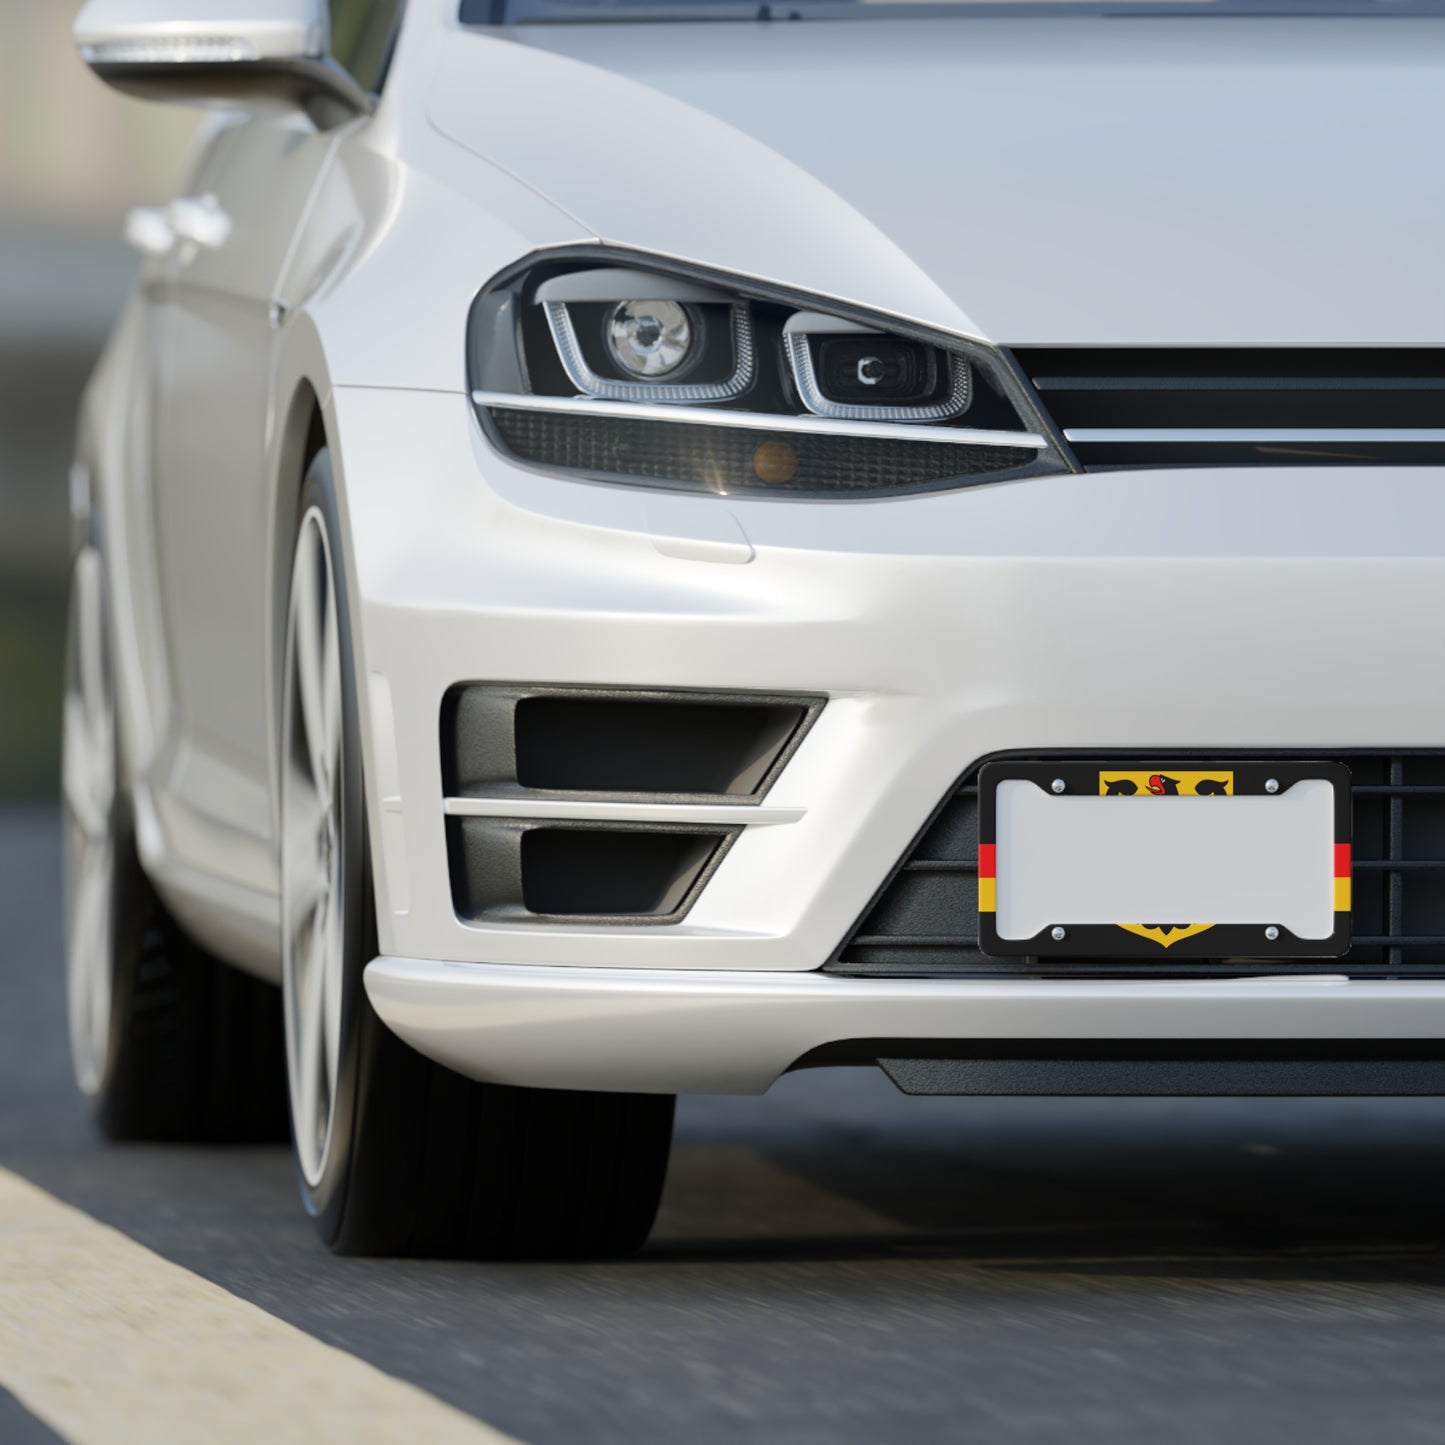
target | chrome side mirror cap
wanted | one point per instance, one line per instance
(243, 53)
(166, 33)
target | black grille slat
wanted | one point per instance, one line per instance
(1256, 406)
(1233, 384)
(1236, 365)
(1391, 865)
(1397, 941)
(924, 921)
(1394, 878)
(1387, 790)
(1099, 398)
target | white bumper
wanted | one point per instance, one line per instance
(648, 1031)
(1206, 608)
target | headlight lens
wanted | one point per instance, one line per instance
(649, 338)
(638, 376)
(877, 368)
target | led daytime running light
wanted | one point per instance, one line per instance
(587, 381)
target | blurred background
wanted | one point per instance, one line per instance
(74, 157)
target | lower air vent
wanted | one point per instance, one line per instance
(924, 923)
(644, 745)
(507, 869)
(624, 744)
(582, 871)
(1131, 407)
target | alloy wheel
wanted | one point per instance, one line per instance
(88, 788)
(312, 829)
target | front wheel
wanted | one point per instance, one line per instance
(395, 1154)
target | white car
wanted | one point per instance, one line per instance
(629, 546)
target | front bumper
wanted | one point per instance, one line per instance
(654, 1031)
(1195, 609)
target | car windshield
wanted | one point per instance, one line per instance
(528, 12)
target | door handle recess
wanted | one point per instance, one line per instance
(199, 220)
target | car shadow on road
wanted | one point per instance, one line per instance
(1222, 1188)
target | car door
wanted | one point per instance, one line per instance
(216, 332)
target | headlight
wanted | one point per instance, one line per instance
(650, 338)
(847, 371)
(625, 374)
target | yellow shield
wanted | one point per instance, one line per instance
(1166, 934)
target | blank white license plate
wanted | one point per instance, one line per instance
(1230, 860)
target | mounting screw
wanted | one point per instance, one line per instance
(1057, 785)
(1058, 934)
(1271, 785)
(1271, 933)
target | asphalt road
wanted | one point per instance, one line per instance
(838, 1263)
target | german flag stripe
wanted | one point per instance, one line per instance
(987, 886)
(1343, 871)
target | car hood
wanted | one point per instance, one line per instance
(1091, 180)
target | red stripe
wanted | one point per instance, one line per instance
(1342, 860)
(987, 855)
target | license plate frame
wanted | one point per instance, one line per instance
(1106, 777)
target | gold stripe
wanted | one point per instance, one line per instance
(1342, 895)
(987, 894)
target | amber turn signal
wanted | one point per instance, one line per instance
(776, 462)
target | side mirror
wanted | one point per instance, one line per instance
(243, 53)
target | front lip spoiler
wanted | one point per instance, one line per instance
(694, 1031)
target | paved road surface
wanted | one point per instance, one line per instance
(838, 1263)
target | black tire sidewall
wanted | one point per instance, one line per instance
(326, 1201)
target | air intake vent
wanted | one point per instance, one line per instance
(1130, 407)
(507, 869)
(924, 923)
(603, 805)
(622, 744)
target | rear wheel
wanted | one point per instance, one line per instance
(167, 1042)
(396, 1154)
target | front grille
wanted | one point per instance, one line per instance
(924, 921)
(1135, 406)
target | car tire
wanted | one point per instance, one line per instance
(167, 1042)
(397, 1155)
